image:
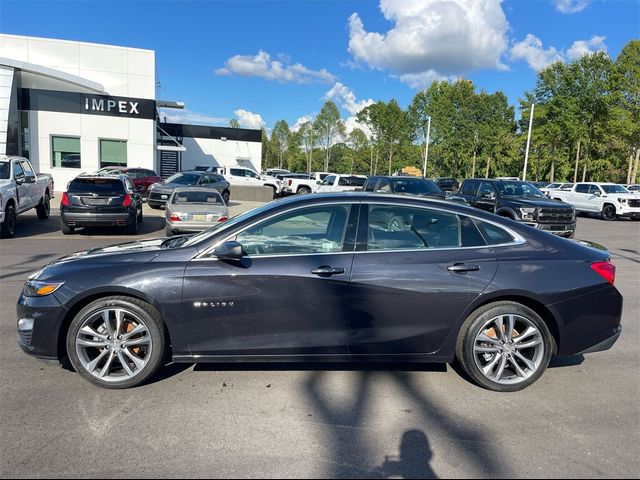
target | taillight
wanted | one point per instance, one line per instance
(175, 218)
(223, 218)
(127, 200)
(606, 270)
(65, 199)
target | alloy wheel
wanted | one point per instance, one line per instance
(509, 349)
(113, 344)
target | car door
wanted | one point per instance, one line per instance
(327, 184)
(469, 190)
(288, 295)
(593, 201)
(22, 187)
(34, 190)
(415, 272)
(579, 197)
(486, 197)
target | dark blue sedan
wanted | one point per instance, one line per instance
(341, 277)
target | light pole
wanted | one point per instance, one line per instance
(426, 148)
(526, 155)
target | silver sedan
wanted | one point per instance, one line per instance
(194, 209)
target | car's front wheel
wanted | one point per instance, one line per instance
(504, 346)
(116, 342)
(609, 212)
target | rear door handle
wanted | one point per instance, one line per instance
(327, 271)
(463, 268)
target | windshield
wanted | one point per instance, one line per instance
(417, 186)
(518, 189)
(614, 189)
(209, 198)
(4, 170)
(183, 179)
(96, 185)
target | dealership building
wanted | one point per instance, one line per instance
(73, 107)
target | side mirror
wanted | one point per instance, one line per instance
(20, 178)
(488, 196)
(229, 251)
(30, 179)
(318, 182)
(597, 193)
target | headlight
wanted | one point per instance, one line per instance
(34, 288)
(527, 213)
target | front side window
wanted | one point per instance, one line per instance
(486, 190)
(384, 186)
(113, 153)
(65, 152)
(370, 185)
(5, 168)
(408, 228)
(329, 180)
(27, 168)
(314, 230)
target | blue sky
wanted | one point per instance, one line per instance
(208, 53)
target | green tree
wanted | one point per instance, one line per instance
(330, 129)
(280, 138)
(234, 123)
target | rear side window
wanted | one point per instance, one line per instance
(96, 185)
(370, 184)
(493, 234)
(237, 172)
(469, 188)
(408, 228)
(582, 188)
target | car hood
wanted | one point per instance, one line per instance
(538, 202)
(131, 252)
(5, 182)
(167, 187)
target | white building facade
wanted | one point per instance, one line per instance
(74, 107)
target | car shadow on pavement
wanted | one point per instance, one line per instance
(30, 226)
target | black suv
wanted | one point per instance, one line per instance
(520, 201)
(159, 193)
(100, 201)
(403, 184)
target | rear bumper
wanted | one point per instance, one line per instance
(97, 219)
(188, 227)
(609, 337)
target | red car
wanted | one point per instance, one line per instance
(142, 178)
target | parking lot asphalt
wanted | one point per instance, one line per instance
(581, 419)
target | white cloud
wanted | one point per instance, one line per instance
(301, 121)
(249, 119)
(433, 38)
(351, 123)
(344, 97)
(262, 65)
(571, 6)
(186, 116)
(422, 80)
(531, 50)
(584, 47)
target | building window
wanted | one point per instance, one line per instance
(113, 153)
(24, 134)
(65, 152)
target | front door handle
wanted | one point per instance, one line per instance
(327, 271)
(463, 268)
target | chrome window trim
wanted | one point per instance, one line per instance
(518, 239)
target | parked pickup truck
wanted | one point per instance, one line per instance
(21, 189)
(520, 201)
(244, 176)
(341, 183)
(302, 186)
(608, 199)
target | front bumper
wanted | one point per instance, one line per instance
(97, 219)
(626, 211)
(39, 323)
(560, 229)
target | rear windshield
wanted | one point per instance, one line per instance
(96, 185)
(4, 170)
(417, 186)
(197, 197)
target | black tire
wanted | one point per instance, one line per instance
(609, 212)
(472, 328)
(304, 191)
(140, 217)
(151, 318)
(8, 227)
(132, 228)
(66, 230)
(275, 192)
(44, 207)
(168, 232)
(226, 195)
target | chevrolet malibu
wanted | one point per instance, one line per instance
(341, 277)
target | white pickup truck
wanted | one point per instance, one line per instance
(341, 183)
(248, 177)
(21, 189)
(609, 199)
(302, 186)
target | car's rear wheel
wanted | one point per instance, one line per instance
(140, 217)
(304, 191)
(226, 195)
(116, 342)
(44, 208)
(167, 230)
(132, 228)
(8, 227)
(504, 346)
(609, 212)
